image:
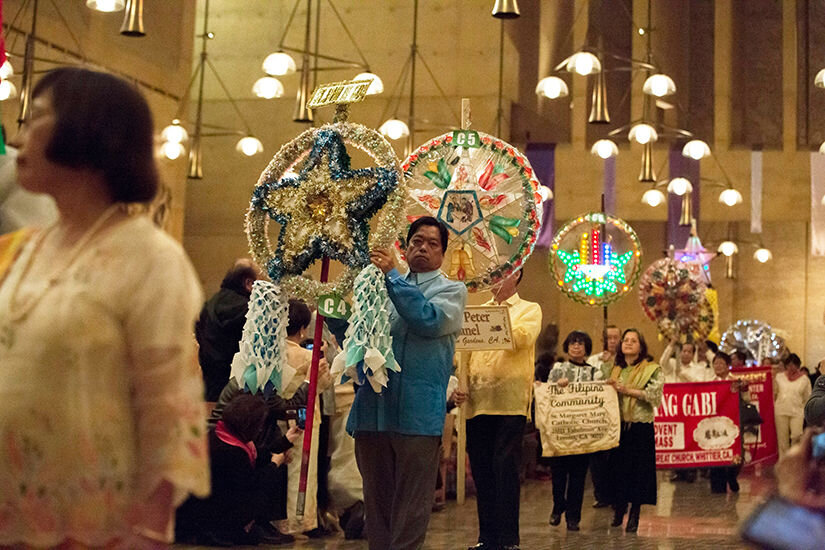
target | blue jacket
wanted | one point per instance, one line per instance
(427, 313)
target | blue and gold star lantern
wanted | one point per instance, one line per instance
(324, 207)
(595, 259)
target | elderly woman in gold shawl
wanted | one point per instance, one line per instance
(633, 464)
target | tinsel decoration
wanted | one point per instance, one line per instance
(324, 207)
(367, 354)
(757, 339)
(260, 364)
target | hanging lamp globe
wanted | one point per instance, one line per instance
(249, 146)
(730, 197)
(728, 248)
(395, 129)
(679, 186)
(819, 79)
(6, 70)
(653, 197)
(174, 133)
(376, 86)
(107, 6)
(279, 64)
(696, 149)
(268, 87)
(604, 148)
(171, 150)
(552, 87)
(642, 133)
(7, 90)
(659, 85)
(762, 255)
(583, 63)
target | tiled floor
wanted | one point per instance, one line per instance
(688, 516)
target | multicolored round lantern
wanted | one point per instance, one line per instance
(757, 339)
(484, 190)
(675, 300)
(595, 259)
(324, 207)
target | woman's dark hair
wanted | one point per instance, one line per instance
(794, 360)
(428, 220)
(620, 360)
(245, 415)
(102, 123)
(578, 336)
(723, 356)
(299, 317)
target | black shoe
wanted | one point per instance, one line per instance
(264, 533)
(734, 486)
(633, 520)
(600, 504)
(352, 521)
(555, 519)
(572, 526)
(618, 517)
(510, 547)
(483, 546)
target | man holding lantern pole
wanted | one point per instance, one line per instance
(397, 432)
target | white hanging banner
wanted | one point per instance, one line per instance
(756, 191)
(817, 209)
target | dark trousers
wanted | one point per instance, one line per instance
(600, 472)
(568, 474)
(399, 473)
(494, 444)
(720, 478)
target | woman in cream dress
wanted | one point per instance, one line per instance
(102, 427)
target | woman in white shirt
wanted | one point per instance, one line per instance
(791, 390)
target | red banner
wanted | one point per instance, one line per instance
(761, 448)
(697, 426)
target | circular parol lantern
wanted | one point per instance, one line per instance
(595, 259)
(757, 339)
(675, 300)
(484, 191)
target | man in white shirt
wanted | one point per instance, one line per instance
(686, 368)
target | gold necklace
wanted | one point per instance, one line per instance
(18, 312)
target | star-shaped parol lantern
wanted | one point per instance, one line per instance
(595, 259)
(324, 207)
(486, 194)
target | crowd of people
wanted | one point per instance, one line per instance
(98, 312)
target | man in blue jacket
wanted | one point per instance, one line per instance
(397, 432)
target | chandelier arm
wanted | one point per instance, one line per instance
(348, 63)
(69, 28)
(721, 169)
(349, 34)
(440, 89)
(288, 24)
(187, 94)
(228, 96)
(11, 25)
(316, 59)
(400, 83)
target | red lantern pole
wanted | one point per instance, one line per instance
(313, 387)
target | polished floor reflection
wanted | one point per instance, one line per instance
(688, 516)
